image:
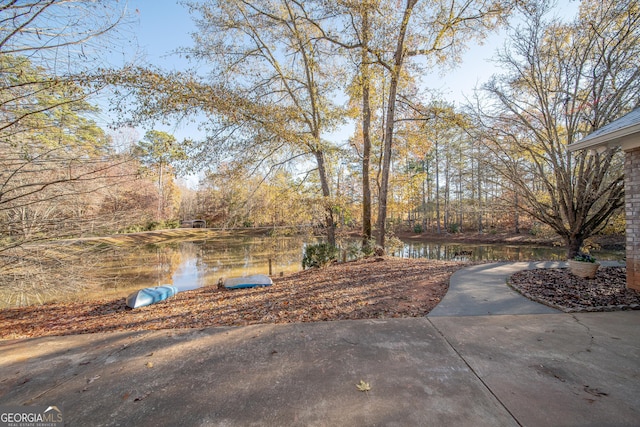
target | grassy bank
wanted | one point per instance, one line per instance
(158, 236)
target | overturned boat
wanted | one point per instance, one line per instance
(254, 281)
(148, 296)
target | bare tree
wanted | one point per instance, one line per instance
(63, 39)
(563, 81)
(268, 97)
(54, 160)
(388, 35)
(46, 138)
(439, 32)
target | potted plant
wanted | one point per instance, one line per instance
(584, 265)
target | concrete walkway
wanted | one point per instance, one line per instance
(482, 290)
(534, 369)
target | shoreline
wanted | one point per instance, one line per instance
(605, 242)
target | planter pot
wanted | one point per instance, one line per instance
(586, 270)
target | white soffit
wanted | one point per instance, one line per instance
(623, 132)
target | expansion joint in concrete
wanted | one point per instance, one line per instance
(486, 386)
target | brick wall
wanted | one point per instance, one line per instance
(632, 208)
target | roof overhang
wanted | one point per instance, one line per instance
(624, 132)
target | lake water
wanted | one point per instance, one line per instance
(191, 264)
(188, 264)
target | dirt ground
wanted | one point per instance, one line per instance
(365, 289)
(370, 288)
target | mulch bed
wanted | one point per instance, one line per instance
(557, 287)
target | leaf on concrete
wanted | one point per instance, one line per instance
(362, 386)
(92, 379)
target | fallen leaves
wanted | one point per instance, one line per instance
(89, 381)
(362, 386)
(142, 396)
(364, 289)
(559, 288)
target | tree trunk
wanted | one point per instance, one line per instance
(516, 213)
(160, 192)
(574, 243)
(424, 199)
(398, 58)
(447, 191)
(480, 228)
(459, 191)
(326, 194)
(437, 160)
(366, 137)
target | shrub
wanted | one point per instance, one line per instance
(357, 249)
(417, 228)
(153, 225)
(172, 223)
(393, 244)
(353, 250)
(369, 247)
(584, 257)
(319, 255)
(132, 229)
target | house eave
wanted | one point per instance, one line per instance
(628, 138)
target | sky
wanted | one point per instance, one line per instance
(159, 28)
(162, 26)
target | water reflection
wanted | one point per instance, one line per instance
(117, 270)
(477, 252)
(189, 274)
(493, 252)
(192, 264)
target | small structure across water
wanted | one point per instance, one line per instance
(193, 223)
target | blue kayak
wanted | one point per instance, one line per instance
(148, 296)
(257, 280)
